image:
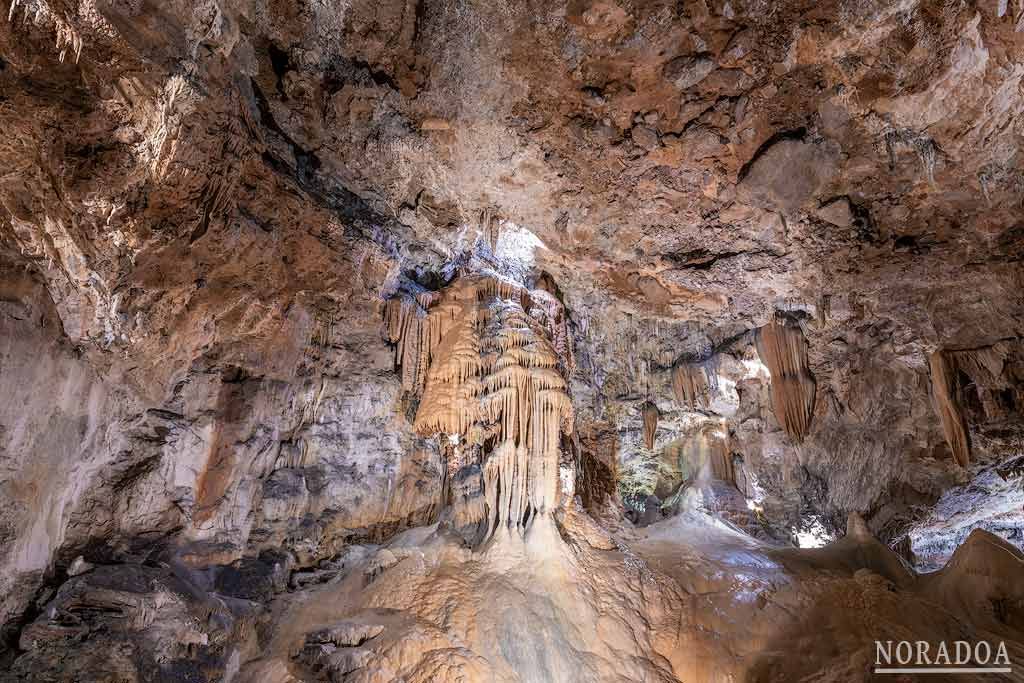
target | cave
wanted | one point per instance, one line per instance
(456, 341)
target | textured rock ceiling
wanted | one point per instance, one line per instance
(768, 254)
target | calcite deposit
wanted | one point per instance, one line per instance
(455, 340)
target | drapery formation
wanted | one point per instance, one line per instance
(784, 350)
(650, 414)
(944, 396)
(486, 366)
(690, 385)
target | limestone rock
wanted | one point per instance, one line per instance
(787, 174)
(837, 212)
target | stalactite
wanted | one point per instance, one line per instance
(488, 374)
(784, 350)
(944, 394)
(690, 385)
(650, 414)
(721, 461)
(406, 326)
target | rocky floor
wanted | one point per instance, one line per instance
(686, 599)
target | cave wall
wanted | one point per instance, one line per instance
(234, 458)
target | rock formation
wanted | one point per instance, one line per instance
(690, 385)
(429, 340)
(650, 414)
(944, 393)
(488, 379)
(784, 351)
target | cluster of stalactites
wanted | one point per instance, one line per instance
(525, 400)
(489, 374)
(784, 350)
(944, 395)
(417, 323)
(690, 385)
(406, 326)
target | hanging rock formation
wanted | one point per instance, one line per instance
(977, 389)
(649, 414)
(690, 385)
(783, 349)
(944, 395)
(493, 391)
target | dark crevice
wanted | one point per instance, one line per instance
(905, 242)
(164, 414)
(10, 631)
(256, 220)
(703, 259)
(379, 77)
(421, 15)
(130, 476)
(863, 223)
(427, 278)
(358, 218)
(525, 521)
(305, 161)
(280, 62)
(546, 282)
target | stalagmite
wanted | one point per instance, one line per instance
(491, 378)
(783, 349)
(650, 414)
(944, 396)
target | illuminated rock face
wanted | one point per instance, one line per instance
(481, 359)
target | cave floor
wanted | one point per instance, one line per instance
(686, 599)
